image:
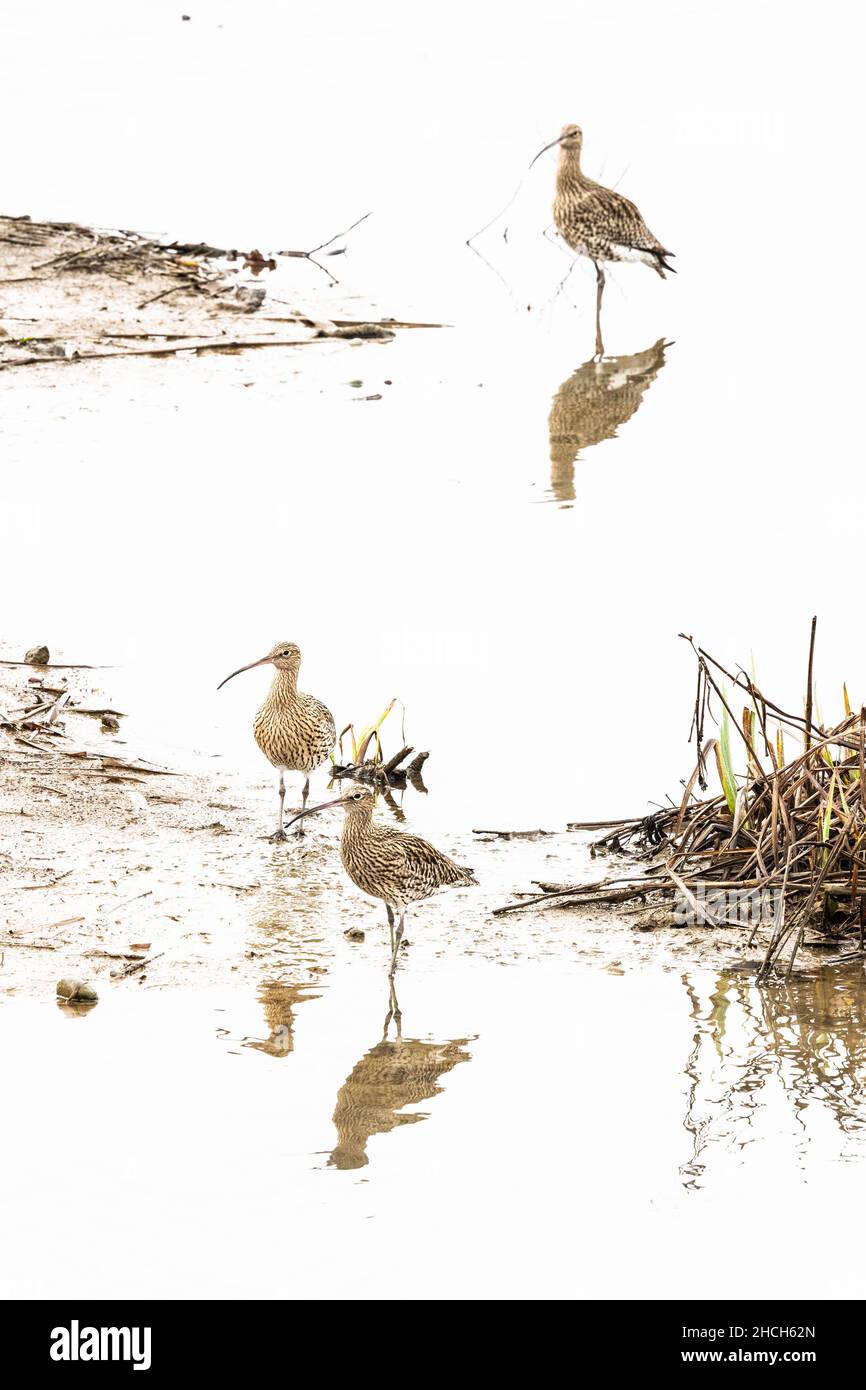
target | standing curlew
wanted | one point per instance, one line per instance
(294, 731)
(389, 864)
(597, 222)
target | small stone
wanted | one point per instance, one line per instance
(248, 298)
(38, 656)
(657, 917)
(76, 991)
(355, 934)
(137, 802)
(109, 724)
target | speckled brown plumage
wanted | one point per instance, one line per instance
(591, 405)
(296, 732)
(598, 222)
(388, 863)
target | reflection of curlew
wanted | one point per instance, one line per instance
(804, 1040)
(279, 1001)
(592, 404)
(395, 1073)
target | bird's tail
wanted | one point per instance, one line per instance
(662, 263)
(467, 875)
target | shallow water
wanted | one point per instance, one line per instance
(509, 540)
(516, 1141)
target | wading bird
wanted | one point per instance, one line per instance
(597, 222)
(294, 731)
(387, 863)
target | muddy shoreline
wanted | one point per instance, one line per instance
(71, 294)
(131, 873)
(113, 862)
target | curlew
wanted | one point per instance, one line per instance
(597, 222)
(389, 864)
(294, 731)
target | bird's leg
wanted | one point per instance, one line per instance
(393, 1009)
(280, 832)
(398, 937)
(599, 276)
(306, 793)
(390, 925)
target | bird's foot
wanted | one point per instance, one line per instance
(279, 837)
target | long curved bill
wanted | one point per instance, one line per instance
(311, 810)
(557, 141)
(263, 661)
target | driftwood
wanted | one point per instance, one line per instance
(133, 965)
(388, 774)
(515, 834)
(197, 345)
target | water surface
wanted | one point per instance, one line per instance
(534, 1132)
(509, 538)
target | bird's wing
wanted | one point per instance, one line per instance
(419, 853)
(320, 714)
(622, 220)
(635, 232)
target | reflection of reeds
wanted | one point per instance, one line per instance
(393, 1074)
(592, 404)
(808, 1034)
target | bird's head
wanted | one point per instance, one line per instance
(285, 656)
(569, 138)
(355, 800)
(358, 797)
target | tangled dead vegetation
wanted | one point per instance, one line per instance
(778, 853)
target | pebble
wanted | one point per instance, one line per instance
(76, 991)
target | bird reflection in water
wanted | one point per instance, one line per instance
(395, 1073)
(279, 1002)
(592, 404)
(804, 1040)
